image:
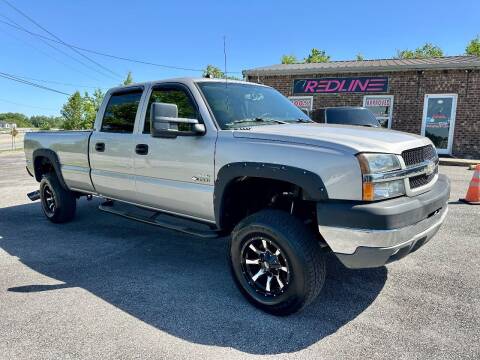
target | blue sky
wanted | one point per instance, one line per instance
(190, 34)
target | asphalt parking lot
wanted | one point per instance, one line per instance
(104, 287)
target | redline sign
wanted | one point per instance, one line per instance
(374, 84)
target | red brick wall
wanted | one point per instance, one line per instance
(409, 89)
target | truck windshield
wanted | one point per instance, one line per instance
(352, 116)
(237, 105)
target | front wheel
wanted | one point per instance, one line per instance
(276, 261)
(58, 204)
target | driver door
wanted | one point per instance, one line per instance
(175, 174)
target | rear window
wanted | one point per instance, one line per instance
(121, 111)
(354, 116)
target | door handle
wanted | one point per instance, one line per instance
(141, 149)
(100, 147)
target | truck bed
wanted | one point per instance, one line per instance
(71, 148)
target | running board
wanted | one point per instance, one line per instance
(34, 195)
(157, 218)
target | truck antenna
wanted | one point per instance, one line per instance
(225, 59)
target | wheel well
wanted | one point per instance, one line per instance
(246, 195)
(42, 165)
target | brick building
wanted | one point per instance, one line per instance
(437, 97)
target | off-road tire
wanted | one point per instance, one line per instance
(301, 249)
(64, 201)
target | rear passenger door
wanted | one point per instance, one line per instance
(111, 146)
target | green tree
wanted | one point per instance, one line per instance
(73, 112)
(89, 111)
(317, 56)
(426, 51)
(79, 111)
(289, 59)
(98, 96)
(129, 79)
(20, 119)
(359, 57)
(46, 122)
(215, 72)
(473, 47)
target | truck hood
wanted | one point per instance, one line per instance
(353, 139)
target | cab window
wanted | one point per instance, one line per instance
(171, 95)
(120, 112)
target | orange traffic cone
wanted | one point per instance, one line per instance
(473, 193)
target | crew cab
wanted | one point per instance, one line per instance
(239, 159)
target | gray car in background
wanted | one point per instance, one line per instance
(230, 157)
(346, 115)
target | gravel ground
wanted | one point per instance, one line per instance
(103, 287)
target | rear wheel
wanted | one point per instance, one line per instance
(277, 262)
(58, 204)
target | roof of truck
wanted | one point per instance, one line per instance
(183, 80)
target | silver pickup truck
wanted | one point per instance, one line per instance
(238, 158)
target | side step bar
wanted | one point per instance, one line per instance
(34, 195)
(159, 219)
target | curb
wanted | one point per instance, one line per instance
(459, 162)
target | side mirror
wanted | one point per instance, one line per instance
(165, 123)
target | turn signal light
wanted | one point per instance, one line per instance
(368, 191)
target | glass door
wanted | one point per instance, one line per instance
(439, 120)
(381, 106)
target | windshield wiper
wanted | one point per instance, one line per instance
(257, 119)
(303, 120)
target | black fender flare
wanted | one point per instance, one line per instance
(53, 158)
(312, 185)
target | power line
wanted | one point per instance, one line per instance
(17, 79)
(57, 49)
(114, 56)
(60, 40)
(47, 54)
(57, 82)
(26, 105)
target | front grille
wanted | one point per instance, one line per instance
(420, 180)
(419, 155)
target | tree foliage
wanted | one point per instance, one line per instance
(213, 72)
(359, 57)
(37, 121)
(20, 119)
(426, 51)
(317, 56)
(289, 59)
(79, 111)
(129, 79)
(473, 47)
(46, 122)
(216, 73)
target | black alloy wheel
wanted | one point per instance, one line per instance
(265, 266)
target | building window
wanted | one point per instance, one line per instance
(439, 120)
(381, 106)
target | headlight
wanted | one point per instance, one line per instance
(373, 166)
(378, 163)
